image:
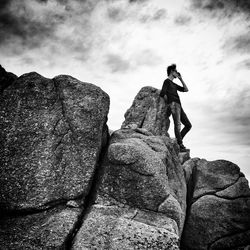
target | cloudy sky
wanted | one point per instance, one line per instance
(123, 45)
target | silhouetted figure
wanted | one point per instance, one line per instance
(169, 93)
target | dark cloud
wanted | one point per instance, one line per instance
(242, 43)
(137, 1)
(3, 4)
(244, 64)
(208, 4)
(183, 20)
(153, 16)
(116, 63)
(116, 14)
(159, 14)
(238, 43)
(58, 27)
(18, 21)
(227, 6)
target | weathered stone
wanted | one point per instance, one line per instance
(45, 230)
(188, 167)
(213, 176)
(184, 156)
(125, 228)
(233, 242)
(52, 132)
(212, 218)
(148, 111)
(6, 78)
(218, 214)
(238, 189)
(143, 171)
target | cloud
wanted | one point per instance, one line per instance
(51, 29)
(116, 14)
(137, 1)
(143, 13)
(147, 57)
(244, 64)
(227, 6)
(240, 43)
(18, 21)
(183, 20)
(208, 4)
(116, 63)
(231, 116)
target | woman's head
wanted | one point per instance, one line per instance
(171, 68)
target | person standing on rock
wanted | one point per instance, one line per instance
(169, 93)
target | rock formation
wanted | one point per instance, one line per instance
(137, 198)
(52, 134)
(218, 206)
(66, 185)
(148, 111)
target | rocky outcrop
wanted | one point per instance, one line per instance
(6, 78)
(51, 229)
(149, 112)
(218, 206)
(52, 132)
(66, 185)
(122, 227)
(141, 200)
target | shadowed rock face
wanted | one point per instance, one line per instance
(44, 230)
(6, 78)
(51, 136)
(149, 112)
(143, 185)
(218, 206)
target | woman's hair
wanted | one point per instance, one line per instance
(170, 68)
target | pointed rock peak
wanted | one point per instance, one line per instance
(149, 112)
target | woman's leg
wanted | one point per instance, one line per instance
(176, 114)
(185, 121)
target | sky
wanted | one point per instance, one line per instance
(122, 46)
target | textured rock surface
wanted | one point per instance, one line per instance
(141, 171)
(218, 206)
(51, 136)
(6, 78)
(135, 196)
(123, 227)
(184, 156)
(45, 230)
(141, 198)
(148, 111)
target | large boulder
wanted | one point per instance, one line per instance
(50, 229)
(143, 170)
(6, 78)
(141, 197)
(148, 111)
(218, 214)
(125, 228)
(52, 133)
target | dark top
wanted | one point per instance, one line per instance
(169, 88)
